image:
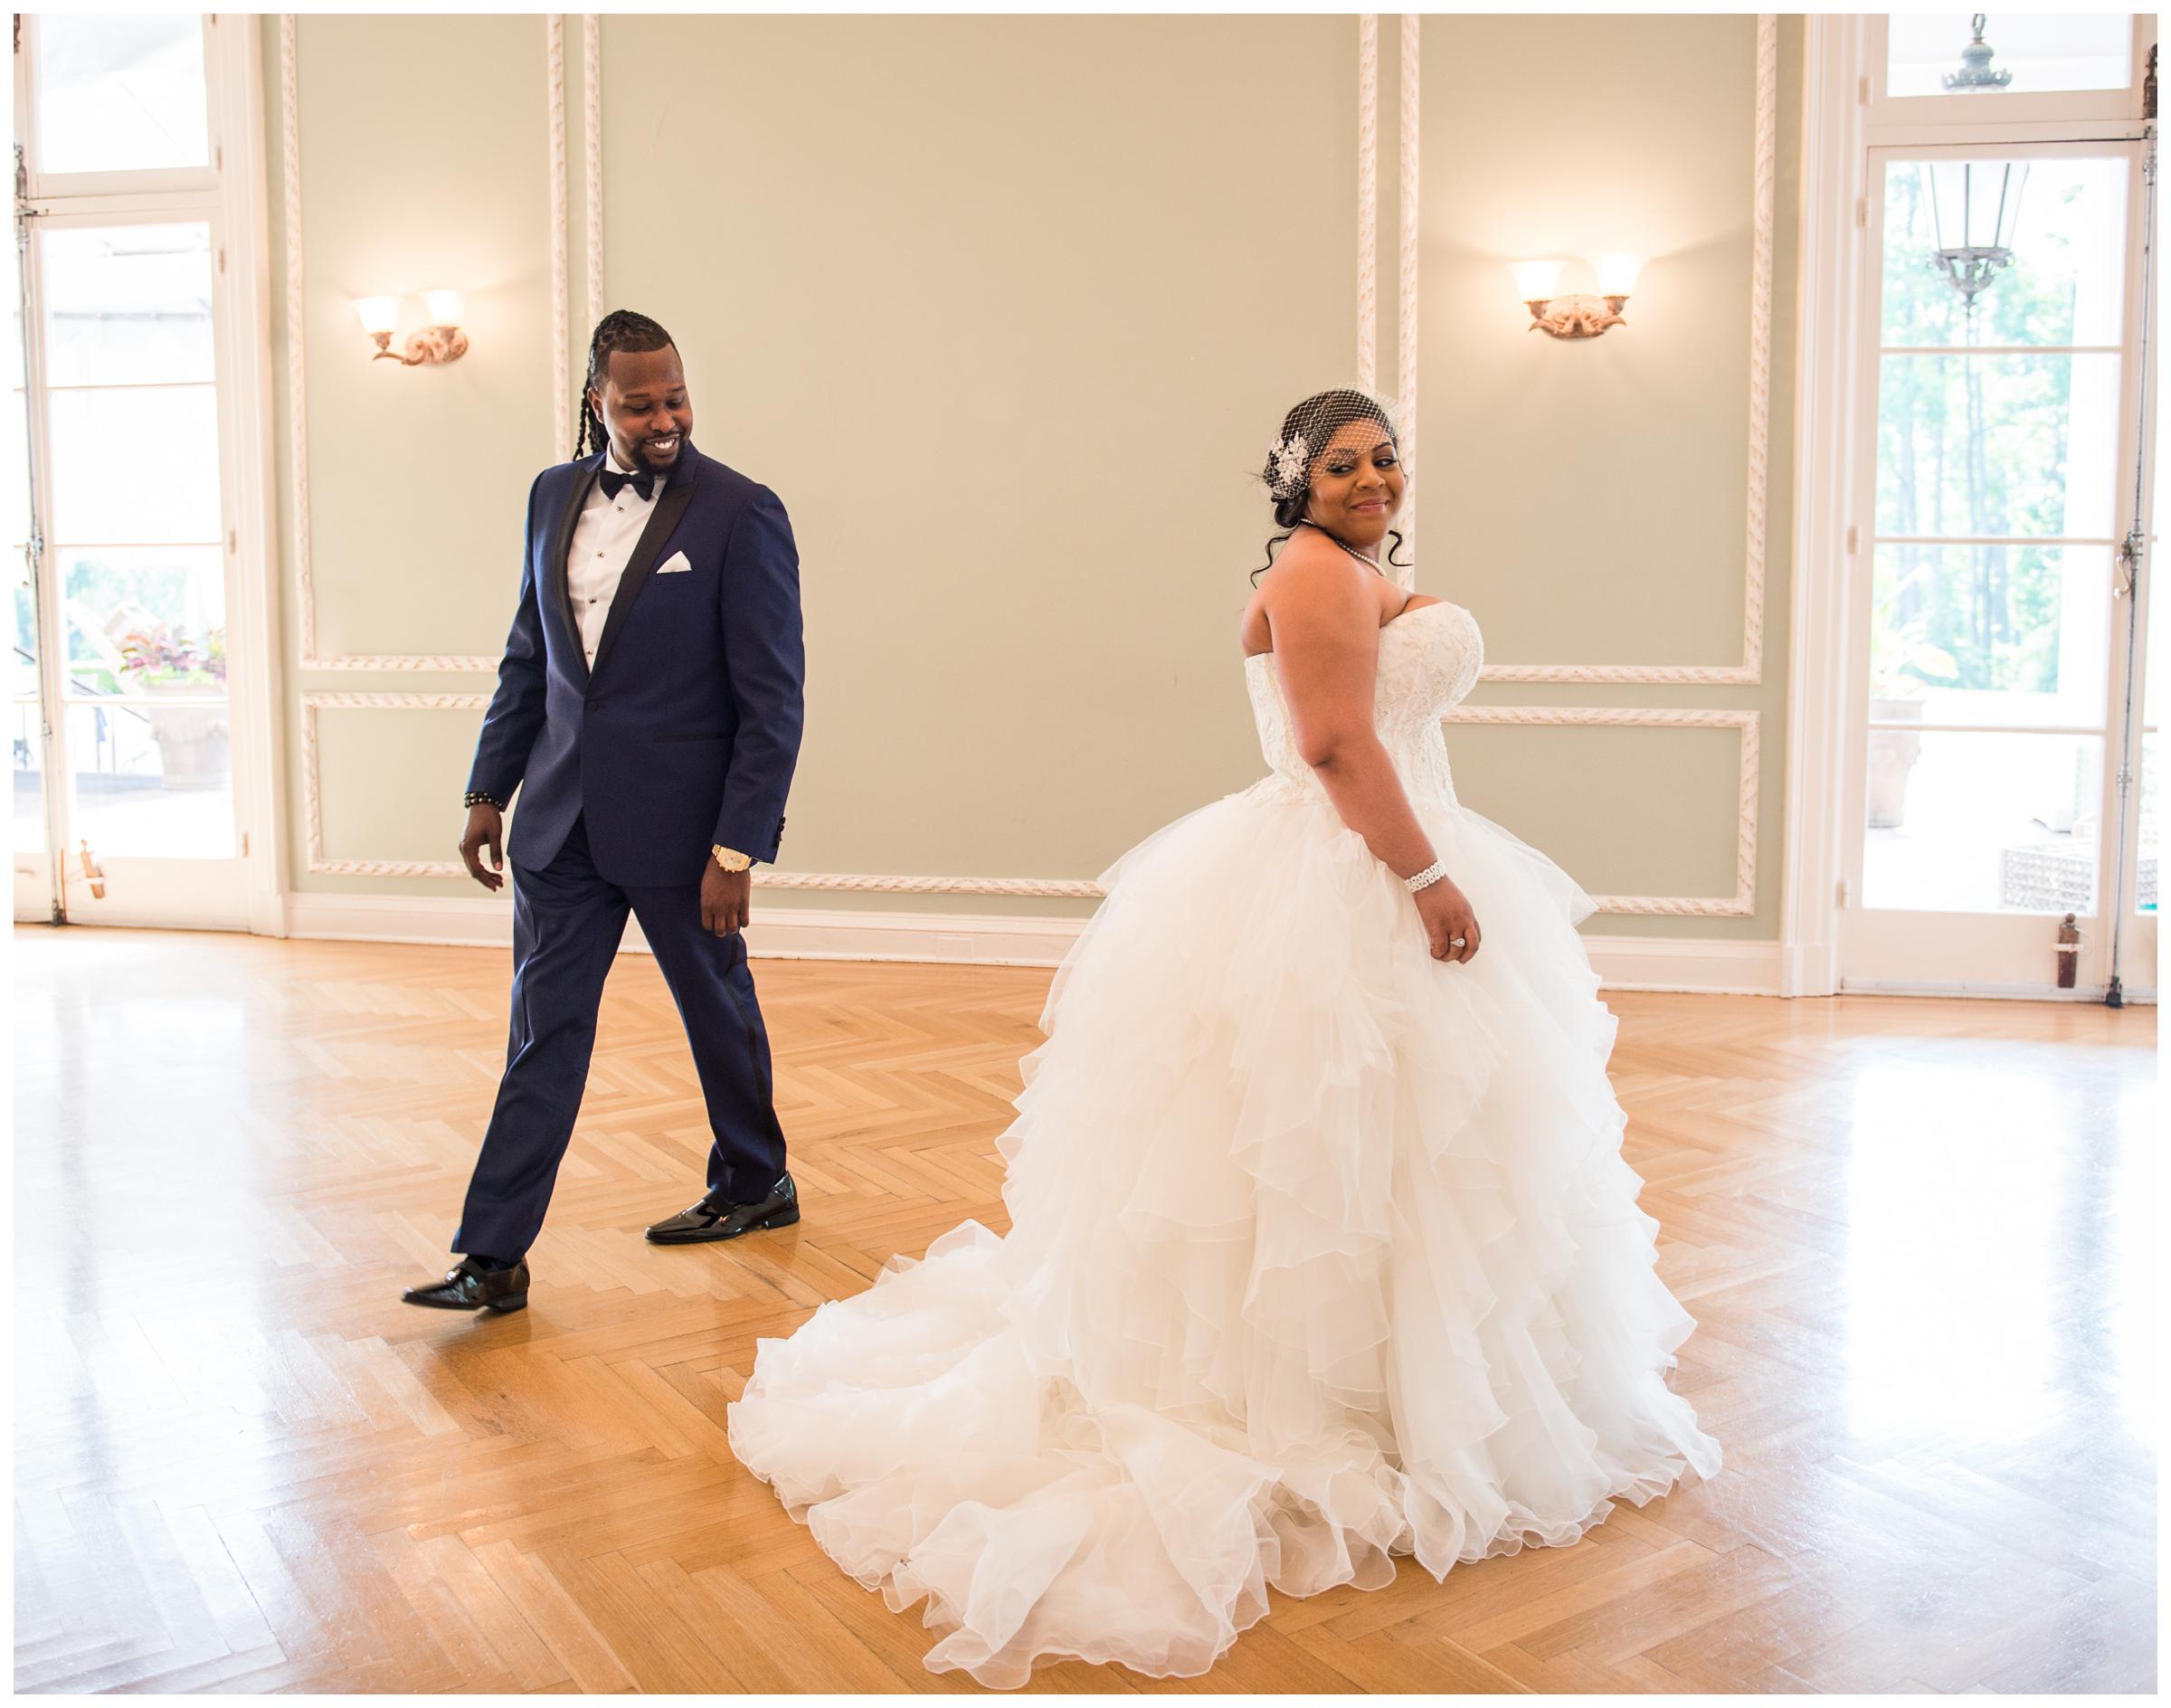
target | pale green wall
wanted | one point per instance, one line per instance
(1006, 309)
(1588, 500)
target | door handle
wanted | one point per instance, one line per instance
(93, 870)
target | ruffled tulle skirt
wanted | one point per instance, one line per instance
(1321, 1251)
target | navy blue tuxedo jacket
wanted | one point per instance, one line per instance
(685, 733)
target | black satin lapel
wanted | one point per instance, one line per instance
(560, 545)
(670, 505)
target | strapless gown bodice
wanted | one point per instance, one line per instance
(1429, 659)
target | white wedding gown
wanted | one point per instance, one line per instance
(1321, 1251)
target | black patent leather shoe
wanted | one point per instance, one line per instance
(469, 1288)
(716, 1218)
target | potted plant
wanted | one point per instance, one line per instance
(1903, 667)
(192, 741)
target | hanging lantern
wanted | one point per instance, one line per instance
(1975, 70)
(1975, 207)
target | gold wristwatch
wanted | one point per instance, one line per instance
(730, 858)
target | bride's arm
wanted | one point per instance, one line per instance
(1325, 625)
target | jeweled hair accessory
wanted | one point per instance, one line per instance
(1291, 458)
(1309, 429)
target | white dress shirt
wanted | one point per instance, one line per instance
(603, 539)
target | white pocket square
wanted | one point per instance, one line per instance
(674, 565)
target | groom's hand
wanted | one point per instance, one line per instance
(486, 829)
(726, 898)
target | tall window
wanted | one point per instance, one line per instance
(2001, 777)
(125, 796)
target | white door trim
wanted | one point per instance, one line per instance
(255, 675)
(1844, 114)
(228, 198)
(1820, 626)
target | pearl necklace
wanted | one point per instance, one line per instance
(1372, 564)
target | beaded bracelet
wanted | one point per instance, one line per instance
(483, 798)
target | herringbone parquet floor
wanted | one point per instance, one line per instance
(1918, 1238)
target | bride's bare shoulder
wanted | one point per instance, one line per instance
(1310, 566)
(1313, 585)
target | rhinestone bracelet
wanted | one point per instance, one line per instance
(1426, 879)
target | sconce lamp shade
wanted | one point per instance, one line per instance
(1618, 273)
(442, 307)
(378, 313)
(1535, 281)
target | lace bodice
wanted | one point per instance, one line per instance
(1428, 660)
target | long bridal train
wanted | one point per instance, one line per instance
(1321, 1251)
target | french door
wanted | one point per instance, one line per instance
(2003, 733)
(123, 498)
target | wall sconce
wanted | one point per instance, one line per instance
(441, 340)
(1581, 315)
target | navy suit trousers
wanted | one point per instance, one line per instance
(567, 921)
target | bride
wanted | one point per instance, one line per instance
(1321, 1246)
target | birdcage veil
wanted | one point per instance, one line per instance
(1306, 432)
(1309, 429)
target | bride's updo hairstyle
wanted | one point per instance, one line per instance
(1306, 432)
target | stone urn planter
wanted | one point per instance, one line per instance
(194, 746)
(1893, 755)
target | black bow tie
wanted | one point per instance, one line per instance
(642, 480)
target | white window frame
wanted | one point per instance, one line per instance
(1908, 120)
(233, 193)
(1845, 113)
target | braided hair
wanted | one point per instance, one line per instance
(620, 329)
(1312, 423)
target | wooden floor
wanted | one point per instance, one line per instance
(1920, 1238)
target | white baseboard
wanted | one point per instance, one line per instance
(820, 934)
(787, 933)
(2086, 993)
(478, 922)
(1705, 965)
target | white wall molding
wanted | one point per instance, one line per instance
(298, 406)
(1743, 902)
(1368, 200)
(811, 934)
(1406, 309)
(592, 159)
(1764, 202)
(1740, 905)
(561, 311)
(1070, 887)
(312, 794)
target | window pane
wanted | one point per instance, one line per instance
(145, 619)
(120, 92)
(2156, 659)
(28, 770)
(1983, 824)
(152, 779)
(14, 434)
(2145, 894)
(2042, 50)
(134, 467)
(1990, 634)
(23, 654)
(1999, 445)
(2064, 222)
(128, 304)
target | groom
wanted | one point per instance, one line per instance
(650, 705)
